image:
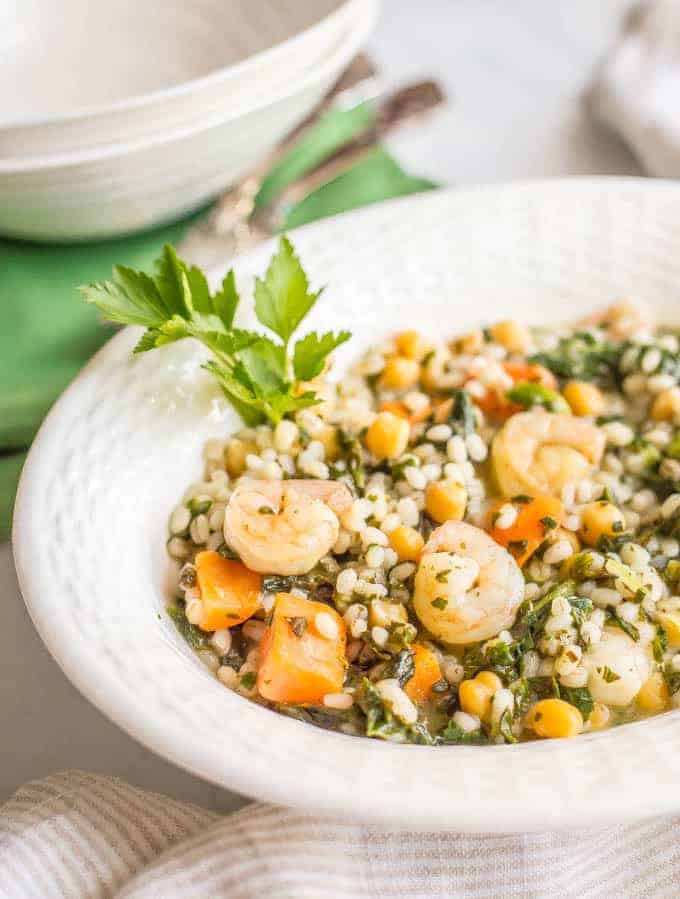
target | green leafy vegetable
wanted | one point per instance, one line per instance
(581, 607)
(381, 722)
(613, 617)
(402, 667)
(582, 357)
(529, 394)
(499, 655)
(659, 644)
(195, 637)
(257, 374)
(453, 733)
(462, 418)
(579, 697)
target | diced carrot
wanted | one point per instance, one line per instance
(298, 662)
(401, 409)
(230, 592)
(535, 520)
(427, 672)
(495, 403)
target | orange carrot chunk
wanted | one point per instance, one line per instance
(427, 673)
(535, 520)
(302, 653)
(230, 592)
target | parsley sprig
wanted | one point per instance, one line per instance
(258, 373)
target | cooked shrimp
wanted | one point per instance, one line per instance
(623, 319)
(539, 452)
(284, 527)
(617, 668)
(467, 587)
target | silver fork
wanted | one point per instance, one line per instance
(231, 228)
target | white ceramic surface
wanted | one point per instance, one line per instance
(119, 447)
(116, 70)
(122, 188)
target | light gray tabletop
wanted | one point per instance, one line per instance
(514, 73)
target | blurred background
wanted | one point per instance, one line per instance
(459, 92)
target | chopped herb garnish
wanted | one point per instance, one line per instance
(298, 625)
(442, 577)
(548, 523)
(608, 676)
(522, 499)
(518, 546)
(439, 603)
(248, 680)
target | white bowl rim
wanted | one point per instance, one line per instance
(139, 101)
(345, 50)
(82, 669)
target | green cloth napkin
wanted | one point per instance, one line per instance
(48, 333)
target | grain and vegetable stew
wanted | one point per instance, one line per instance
(473, 540)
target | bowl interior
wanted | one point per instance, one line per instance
(120, 447)
(128, 49)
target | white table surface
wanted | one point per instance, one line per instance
(514, 73)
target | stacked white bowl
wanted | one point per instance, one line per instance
(118, 115)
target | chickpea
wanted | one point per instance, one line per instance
(666, 406)
(446, 500)
(599, 717)
(400, 373)
(476, 695)
(600, 519)
(237, 450)
(407, 543)
(328, 436)
(411, 344)
(583, 398)
(388, 436)
(515, 337)
(653, 695)
(554, 718)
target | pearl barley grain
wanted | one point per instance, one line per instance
(326, 625)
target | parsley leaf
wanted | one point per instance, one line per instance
(310, 353)
(255, 372)
(282, 297)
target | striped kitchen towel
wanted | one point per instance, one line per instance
(80, 836)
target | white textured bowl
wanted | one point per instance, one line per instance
(122, 188)
(120, 446)
(109, 71)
